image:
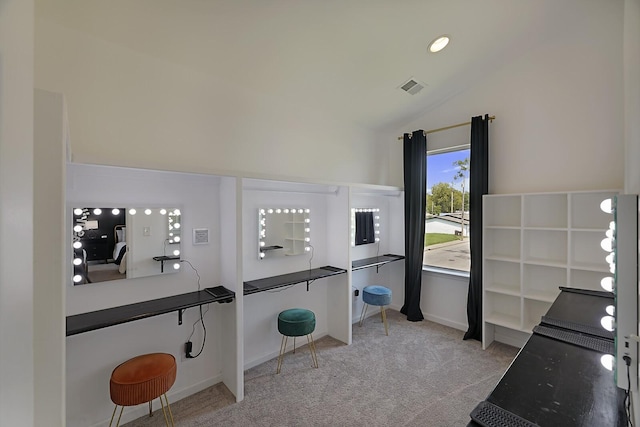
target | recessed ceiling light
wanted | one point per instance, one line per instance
(438, 44)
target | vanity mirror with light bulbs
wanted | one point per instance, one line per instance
(123, 243)
(365, 226)
(283, 232)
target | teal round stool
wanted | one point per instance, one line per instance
(297, 322)
(376, 295)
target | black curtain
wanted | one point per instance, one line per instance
(415, 200)
(479, 185)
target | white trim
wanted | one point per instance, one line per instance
(446, 322)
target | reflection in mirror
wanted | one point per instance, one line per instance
(365, 226)
(283, 231)
(119, 243)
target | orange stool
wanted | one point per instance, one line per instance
(142, 379)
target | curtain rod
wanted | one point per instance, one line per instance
(491, 119)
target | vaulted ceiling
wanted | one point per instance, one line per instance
(344, 57)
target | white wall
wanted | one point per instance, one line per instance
(91, 356)
(558, 108)
(17, 322)
(559, 121)
(129, 109)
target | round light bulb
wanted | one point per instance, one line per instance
(176, 225)
(132, 211)
(607, 244)
(608, 323)
(97, 211)
(606, 206)
(262, 254)
(77, 261)
(176, 266)
(607, 360)
(607, 283)
(77, 228)
(163, 211)
(77, 245)
(177, 238)
(77, 211)
(147, 211)
(115, 211)
(176, 211)
(176, 252)
(77, 278)
(610, 310)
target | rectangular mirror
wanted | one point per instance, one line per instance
(365, 226)
(124, 243)
(283, 231)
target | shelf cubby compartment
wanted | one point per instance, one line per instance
(587, 279)
(585, 210)
(502, 277)
(586, 252)
(541, 282)
(502, 244)
(533, 310)
(547, 247)
(502, 211)
(545, 210)
(502, 310)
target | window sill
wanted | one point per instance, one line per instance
(445, 271)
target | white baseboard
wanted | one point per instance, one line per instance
(134, 412)
(260, 360)
(446, 322)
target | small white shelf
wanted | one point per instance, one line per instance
(545, 210)
(502, 211)
(501, 319)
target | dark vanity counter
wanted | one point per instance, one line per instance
(273, 282)
(93, 320)
(376, 261)
(558, 378)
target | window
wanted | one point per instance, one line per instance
(447, 219)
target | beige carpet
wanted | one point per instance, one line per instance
(422, 374)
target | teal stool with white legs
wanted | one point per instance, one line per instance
(297, 322)
(376, 295)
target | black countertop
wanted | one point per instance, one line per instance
(93, 320)
(273, 282)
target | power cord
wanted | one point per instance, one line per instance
(188, 344)
(627, 392)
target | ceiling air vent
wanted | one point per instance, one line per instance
(412, 86)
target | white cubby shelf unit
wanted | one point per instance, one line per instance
(532, 245)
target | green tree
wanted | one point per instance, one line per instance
(441, 198)
(461, 174)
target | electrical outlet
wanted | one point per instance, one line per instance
(146, 231)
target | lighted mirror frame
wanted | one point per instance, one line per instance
(376, 224)
(83, 226)
(295, 239)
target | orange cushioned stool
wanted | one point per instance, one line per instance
(142, 379)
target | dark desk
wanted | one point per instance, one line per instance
(308, 276)
(581, 311)
(376, 261)
(558, 379)
(93, 320)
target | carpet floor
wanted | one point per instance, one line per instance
(422, 374)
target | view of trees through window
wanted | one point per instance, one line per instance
(447, 219)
